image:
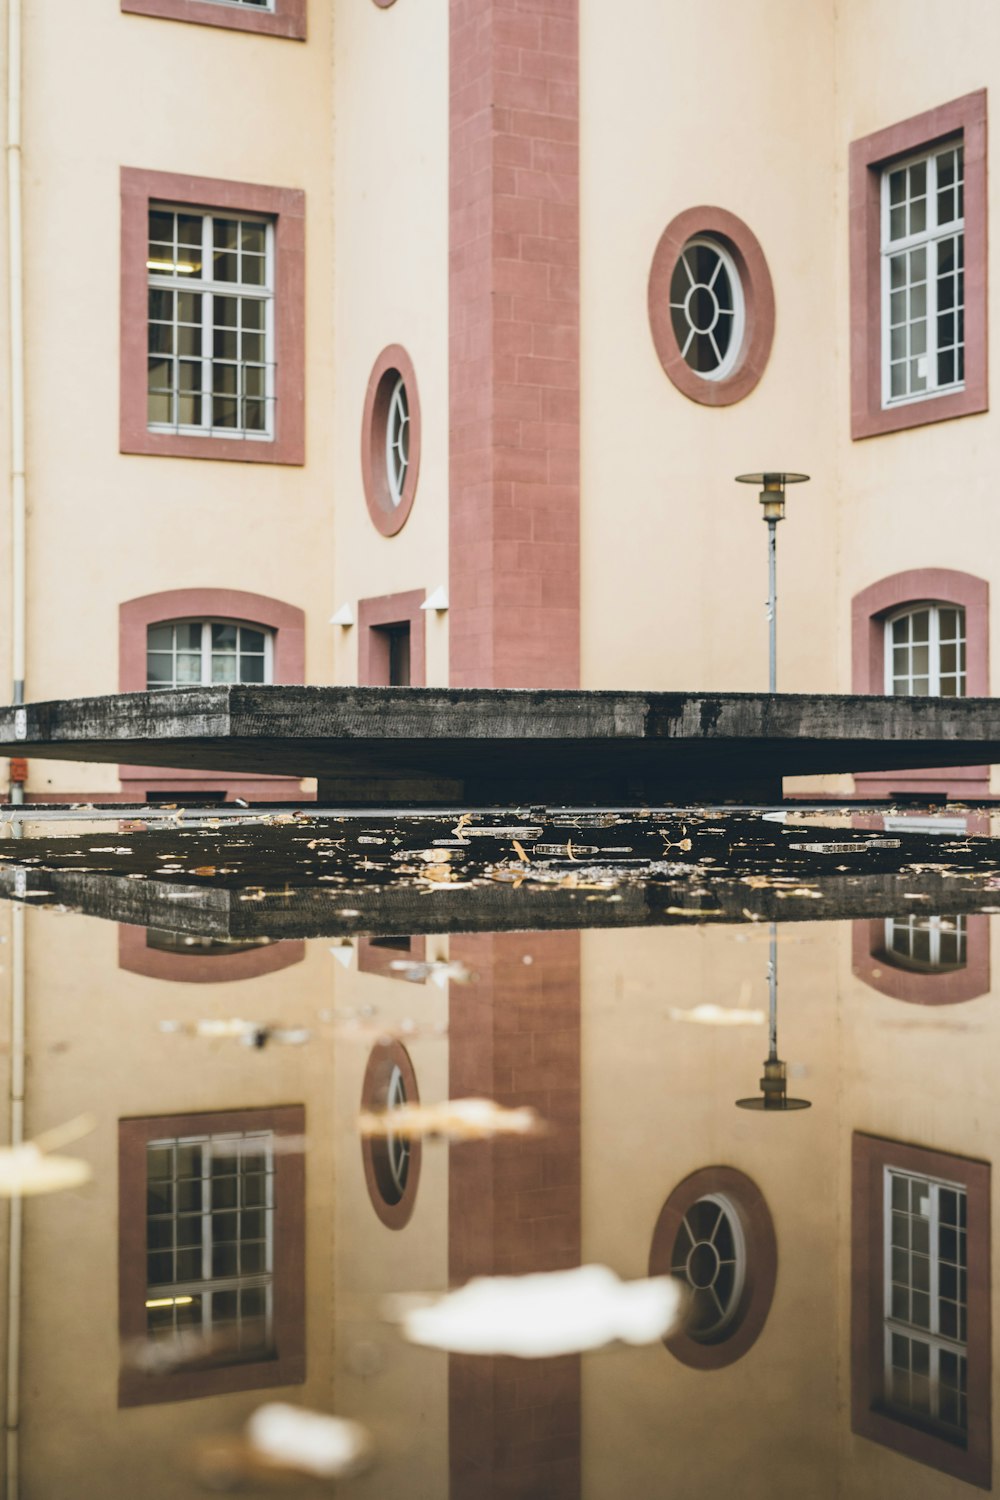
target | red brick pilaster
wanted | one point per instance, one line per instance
(514, 344)
(514, 1207)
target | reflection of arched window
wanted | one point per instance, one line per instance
(715, 1233)
(920, 1376)
(163, 940)
(924, 957)
(186, 958)
(926, 944)
(922, 632)
(391, 1163)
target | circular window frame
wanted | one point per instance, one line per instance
(392, 366)
(383, 4)
(720, 227)
(387, 1059)
(745, 1200)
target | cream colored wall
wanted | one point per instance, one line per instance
(390, 208)
(103, 90)
(95, 1046)
(729, 105)
(398, 1391)
(658, 1104)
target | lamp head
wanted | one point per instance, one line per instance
(772, 493)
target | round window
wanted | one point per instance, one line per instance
(397, 441)
(715, 1233)
(711, 306)
(710, 1255)
(706, 308)
(390, 440)
(391, 1162)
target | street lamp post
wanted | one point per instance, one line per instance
(772, 498)
(774, 1084)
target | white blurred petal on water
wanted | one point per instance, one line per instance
(457, 1119)
(548, 1313)
(718, 1015)
(309, 1441)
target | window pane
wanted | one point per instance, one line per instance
(223, 637)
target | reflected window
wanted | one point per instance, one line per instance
(926, 1300)
(163, 940)
(920, 1275)
(710, 1256)
(210, 1240)
(391, 1162)
(926, 944)
(211, 1253)
(198, 653)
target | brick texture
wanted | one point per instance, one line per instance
(514, 344)
(514, 1207)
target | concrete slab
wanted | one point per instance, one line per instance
(475, 746)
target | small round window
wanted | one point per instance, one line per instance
(391, 1162)
(710, 1255)
(711, 306)
(707, 308)
(397, 441)
(390, 440)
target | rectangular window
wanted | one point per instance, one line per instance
(211, 324)
(926, 1301)
(918, 204)
(923, 276)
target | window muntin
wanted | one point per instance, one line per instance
(707, 308)
(397, 1146)
(709, 1254)
(397, 441)
(210, 1240)
(925, 651)
(925, 1307)
(185, 653)
(923, 275)
(211, 366)
(926, 944)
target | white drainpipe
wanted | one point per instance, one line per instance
(15, 296)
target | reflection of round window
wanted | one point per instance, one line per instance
(709, 1254)
(397, 441)
(715, 1233)
(391, 1163)
(706, 308)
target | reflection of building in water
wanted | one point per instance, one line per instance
(165, 941)
(710, 1256)
(210, 1238)
(928, 944)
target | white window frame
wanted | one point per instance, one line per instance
(913, 922)
(397, 422)
(250, 5)
(159, 279)
(933, 646)
(206, 653)
(928, 238)
(176, 1292)
(936, 1341)
(725, 368)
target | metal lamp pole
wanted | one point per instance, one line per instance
(772, 498)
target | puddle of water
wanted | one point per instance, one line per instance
(226, 1002)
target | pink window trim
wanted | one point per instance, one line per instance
(390, 609)
(869, 609)
(868, 157)
(871, 964)
(287, 207)
(375, 960)
(135, 956)
(287, 622)
(288, 19)
(387, 517)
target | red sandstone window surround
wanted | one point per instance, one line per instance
(391, 1164)
(286, 623)
(390, 440)
(870, 611)
(285, 18)
(897, 1330)
(236, 1286)
(284, 210)
(886, 969)
(381, 622)
(142, 950)
(376, 955)
(679, 306)
(962, 121)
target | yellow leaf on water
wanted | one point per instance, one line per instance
(520, 852)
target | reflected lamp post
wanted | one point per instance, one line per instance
(774, 1084)
(772, 498)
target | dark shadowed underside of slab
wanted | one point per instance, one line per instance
(372, 745)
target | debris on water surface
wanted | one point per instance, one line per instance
(718, 1015)
(29, 1169)
(544, 1314)
(250, 1033)
(282, 1443)
(454, 1119)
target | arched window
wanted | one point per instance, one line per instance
(925, 651)
(922, 632)
(182, 653)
